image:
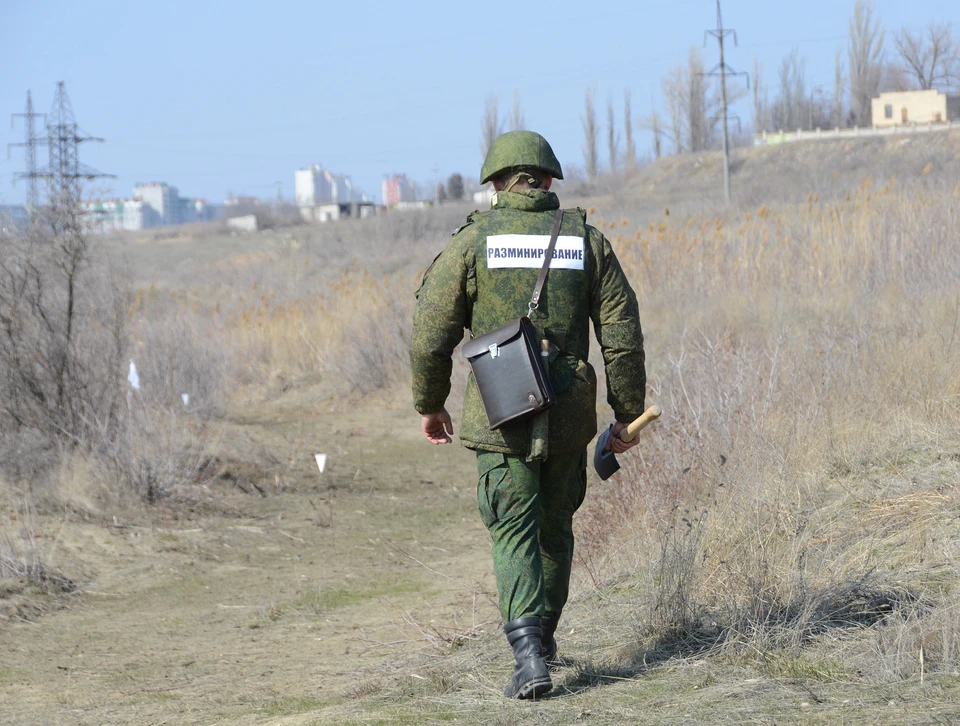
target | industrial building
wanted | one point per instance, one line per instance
(902, 108)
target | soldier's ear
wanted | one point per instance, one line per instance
(547, 181)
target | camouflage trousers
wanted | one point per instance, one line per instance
(528, 508)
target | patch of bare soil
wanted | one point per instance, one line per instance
(289, 600)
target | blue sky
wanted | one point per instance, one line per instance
(221, 97)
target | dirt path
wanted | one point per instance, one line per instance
(362, 596)
(286, 607)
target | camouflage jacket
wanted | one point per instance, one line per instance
(477, 283)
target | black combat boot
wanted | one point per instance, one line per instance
(548, 624)
(531, 679)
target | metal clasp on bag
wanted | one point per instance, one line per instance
(531, 306)
(494, 350)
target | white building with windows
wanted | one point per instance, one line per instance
(313, 185)
(162, 198)
(310, 186)
(153, 205)
(324, 196)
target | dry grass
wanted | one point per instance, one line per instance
(806, 358)
(794, 512)
(802, 480)
(28, 550)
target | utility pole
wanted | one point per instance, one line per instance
(723, 70)
(30, 153)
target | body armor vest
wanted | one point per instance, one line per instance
(509, 253)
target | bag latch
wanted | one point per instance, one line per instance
(494, 351)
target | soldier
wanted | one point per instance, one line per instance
(529, 484)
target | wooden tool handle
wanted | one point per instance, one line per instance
(630, 433)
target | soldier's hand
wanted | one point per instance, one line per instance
(616, 444)
(437, 427)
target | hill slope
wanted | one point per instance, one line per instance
(789, 172)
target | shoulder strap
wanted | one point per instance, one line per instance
(547, 257)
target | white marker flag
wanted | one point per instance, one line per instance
(133, 377)
(321, 461)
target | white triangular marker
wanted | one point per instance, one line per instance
(321, 461)
(186, 398)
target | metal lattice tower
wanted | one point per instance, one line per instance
(32, 174)
(65, 171)
(723, 70)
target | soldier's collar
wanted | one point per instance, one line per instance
(526, 200)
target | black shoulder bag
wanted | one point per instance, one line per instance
(507, 363)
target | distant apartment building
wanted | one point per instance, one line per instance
(902, 108)
(396, 189)
(162, 198)
(314, 185)
(308, 186)
(323, 196)
(108, 215)
(196, 210)
(153, 205)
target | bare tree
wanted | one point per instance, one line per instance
(790, 110)
(630, 152)
(63, 332)
(516, 120)
(865, 59)
(674, 92)
(590, 133)
(699, 124)
(613, 140)
(490, 127)
(654, 124)
(931, 58)
(455, 188)
(694, 111)
(656, 129)
(839, 86)
(761, 111)
(795, 107)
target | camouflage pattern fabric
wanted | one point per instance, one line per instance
(528, 507)
(460, 292)
(529, 488)
(519, 149)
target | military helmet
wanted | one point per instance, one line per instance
(519, 150)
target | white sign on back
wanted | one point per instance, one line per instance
(526, 250)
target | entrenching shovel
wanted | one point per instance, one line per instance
(604, 460)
